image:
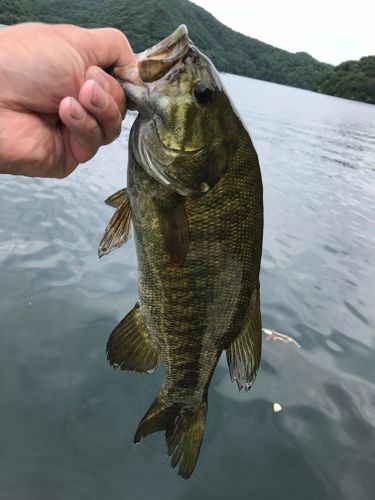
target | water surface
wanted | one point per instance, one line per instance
(67, 419)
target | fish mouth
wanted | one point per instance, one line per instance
(155, 62)
(172, 48)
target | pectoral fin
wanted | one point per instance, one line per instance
(117, 199)
(243, 354)
(117, 231)
(130, 345)
(175, 231)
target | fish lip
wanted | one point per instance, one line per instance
(167, 52)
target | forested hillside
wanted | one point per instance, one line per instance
(351, 79)
(15, 11)
(146, 22)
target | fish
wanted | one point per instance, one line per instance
(194, 199)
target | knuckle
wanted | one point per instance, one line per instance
(116, 33)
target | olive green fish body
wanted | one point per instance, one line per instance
(194, 197)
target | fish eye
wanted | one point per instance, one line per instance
(203, 94)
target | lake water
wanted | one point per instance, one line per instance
(67, 419)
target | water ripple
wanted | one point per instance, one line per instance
(66, 418)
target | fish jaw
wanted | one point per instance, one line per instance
(153, 63)
(170, 44)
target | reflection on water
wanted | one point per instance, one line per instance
(67, 419)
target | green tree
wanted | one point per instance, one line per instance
(15, 11)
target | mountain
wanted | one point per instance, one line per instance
(351, 79)
(146, 22)
(230, 51)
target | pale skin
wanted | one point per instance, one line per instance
(57, 104)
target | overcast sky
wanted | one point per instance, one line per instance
(330, 30)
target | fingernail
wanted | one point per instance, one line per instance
(76, 110)
(99, 97)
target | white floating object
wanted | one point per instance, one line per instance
(285, 339)
(277, 407)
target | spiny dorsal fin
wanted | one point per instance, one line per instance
(117, 231)
(184, 431)
(130, 345)
(243, 354)
(117, 199)
(175, 231)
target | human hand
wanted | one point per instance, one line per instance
(57, 106)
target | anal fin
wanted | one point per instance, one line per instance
(117, 231)
(243, 354)
(130, 345)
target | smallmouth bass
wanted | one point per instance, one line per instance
(194, 198)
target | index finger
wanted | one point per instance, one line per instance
(111, 48)
(102, 47)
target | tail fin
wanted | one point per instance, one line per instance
(184, 428)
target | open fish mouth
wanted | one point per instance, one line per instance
(159, 59)
(156, 61)
(151, 65)
(170, 43)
